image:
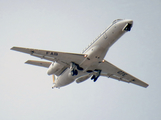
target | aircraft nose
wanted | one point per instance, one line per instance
(130, 22)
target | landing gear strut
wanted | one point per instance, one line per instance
(96, 76)
(74, 68)
(74, 72)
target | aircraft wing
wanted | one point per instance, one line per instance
(111, 71)
(63, 58)
(39, 63)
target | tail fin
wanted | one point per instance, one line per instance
(53, 79)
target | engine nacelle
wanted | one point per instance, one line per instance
(56, 68)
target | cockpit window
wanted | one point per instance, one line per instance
(117, 20)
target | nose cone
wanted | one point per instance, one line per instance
(129, 21)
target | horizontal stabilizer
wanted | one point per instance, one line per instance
(39, 63)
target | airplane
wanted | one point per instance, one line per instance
(69, 67)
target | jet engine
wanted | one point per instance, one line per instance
(56, 68)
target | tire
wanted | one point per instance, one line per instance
(75, 72)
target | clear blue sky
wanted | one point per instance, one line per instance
(69, 26)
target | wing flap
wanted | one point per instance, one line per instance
(39, 63)
(111, 71)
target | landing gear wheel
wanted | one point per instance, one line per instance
(74, 72)
(93, 77)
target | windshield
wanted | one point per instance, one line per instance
(117, 20)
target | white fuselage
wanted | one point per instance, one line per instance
(95, 53)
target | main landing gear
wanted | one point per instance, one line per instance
(96, 76)
(74, 72)
(74, 68)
